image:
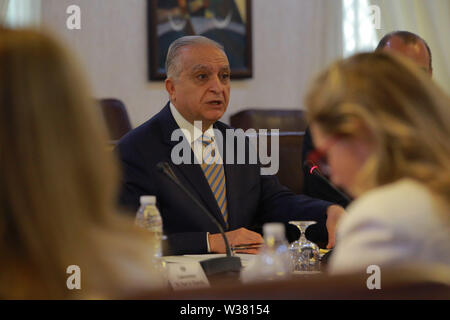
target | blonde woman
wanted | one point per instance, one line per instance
(59, 184)
(383, 128)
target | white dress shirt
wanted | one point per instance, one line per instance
(194, 135)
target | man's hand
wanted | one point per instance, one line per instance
(334, 213)
(236, 237)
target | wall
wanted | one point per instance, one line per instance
(292, 40)
(429, 19)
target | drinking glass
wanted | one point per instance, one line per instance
(304, 253)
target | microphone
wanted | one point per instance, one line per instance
(313, 169)
(214, 265)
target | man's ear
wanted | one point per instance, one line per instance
(170, 87)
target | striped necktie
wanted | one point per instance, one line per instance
(215, 174)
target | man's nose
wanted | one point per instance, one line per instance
(216, 85)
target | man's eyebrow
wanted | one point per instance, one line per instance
(200, 67)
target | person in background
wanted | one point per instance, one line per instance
(238, 195)
(407, 44)
(59, 183)
(383, 126)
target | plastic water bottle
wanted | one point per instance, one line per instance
(149, 218)
(274, 261)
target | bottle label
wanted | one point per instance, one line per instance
(149, 218)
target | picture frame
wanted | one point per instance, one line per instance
(229, 22)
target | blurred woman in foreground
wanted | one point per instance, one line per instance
(59, 183)
(383, 128)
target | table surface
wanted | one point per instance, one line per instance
(246, 259)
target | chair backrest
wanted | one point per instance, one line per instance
(284, 120)
(116, 118)
(289, 172)
(292, 125)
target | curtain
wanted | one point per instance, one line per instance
(358, 27)
(293, 40)
(325, 30)
(4, 4)
(21, 13)
(428, 18)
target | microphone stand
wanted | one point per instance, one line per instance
(214, 265)
(313, 170)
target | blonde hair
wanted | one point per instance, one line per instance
(59, 182)
(403, 111)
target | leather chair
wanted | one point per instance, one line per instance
(290, 173)
(292, 125)
(116, 118)
(284, 120)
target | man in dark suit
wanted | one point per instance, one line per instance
(238, 195)
(405, 43)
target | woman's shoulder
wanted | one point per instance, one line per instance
(404, 205)
(130, 259)
(399, 223)
(403, 197)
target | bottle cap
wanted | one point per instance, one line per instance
(147, 200)
(275, 229)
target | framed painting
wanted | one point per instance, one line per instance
(226, 21)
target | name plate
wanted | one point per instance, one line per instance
(187, 276)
